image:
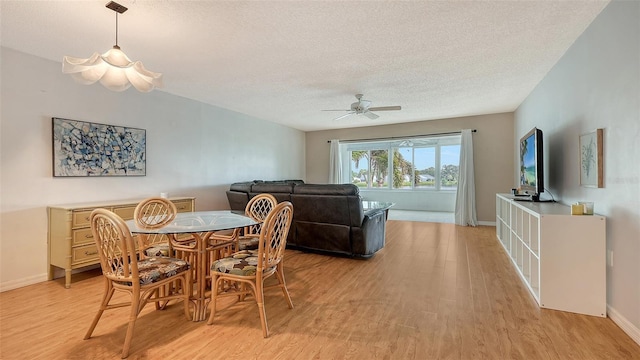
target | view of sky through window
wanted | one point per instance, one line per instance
(405, 164)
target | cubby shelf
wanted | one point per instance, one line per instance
(561, 257)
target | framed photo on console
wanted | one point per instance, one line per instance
(591, 159)
(83, 148)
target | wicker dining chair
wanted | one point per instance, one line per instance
(153, 213)
(252, 267)
(257, 208)
(126, 269)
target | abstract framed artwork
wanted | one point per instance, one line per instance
(83, 148)
(591, 159)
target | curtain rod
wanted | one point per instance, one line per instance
(405, 137)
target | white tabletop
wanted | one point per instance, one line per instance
(196, 222)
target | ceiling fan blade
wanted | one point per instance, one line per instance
(371, 115)
(362, 107)
(385, 108)
(345, 115)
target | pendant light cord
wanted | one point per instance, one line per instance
(117, 31)
(118, 9)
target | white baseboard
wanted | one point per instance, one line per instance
(57, 273)
(624, 324)
(487, 223)
(14, 284)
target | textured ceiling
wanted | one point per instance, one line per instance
(285, 61)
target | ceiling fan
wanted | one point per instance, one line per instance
(362, 107)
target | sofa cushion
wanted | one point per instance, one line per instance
(272, 187)
(326, 189)
(321, 209)
(241, 186)
(280, 197)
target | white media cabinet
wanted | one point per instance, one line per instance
(561, 257)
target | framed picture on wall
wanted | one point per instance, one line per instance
(83, 148)
(591, 159)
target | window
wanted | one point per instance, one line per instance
(425, 167)
(369, 168)
(429, 163)
(449, 168)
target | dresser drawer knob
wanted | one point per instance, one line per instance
(88, 236)
(88, 253)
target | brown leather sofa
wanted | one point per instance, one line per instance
(327, 218)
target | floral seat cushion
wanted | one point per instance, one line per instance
(243, 263)
(157, 250)
(154, 269)
(248, 243)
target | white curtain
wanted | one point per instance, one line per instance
(466, 197)
(335, 163)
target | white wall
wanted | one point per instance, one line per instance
(492, 144)
(193, 149)
(597, 85)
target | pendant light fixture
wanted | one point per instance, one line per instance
(113, 69)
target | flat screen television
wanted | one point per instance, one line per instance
(531, 164)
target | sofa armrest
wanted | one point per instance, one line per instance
(237, 200)
(370, 237)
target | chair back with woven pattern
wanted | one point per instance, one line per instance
(155, 212)
(116, 247)
(273, 236)
(258, 208)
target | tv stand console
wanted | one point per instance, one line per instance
(561, 257)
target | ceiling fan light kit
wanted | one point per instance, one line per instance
(363, 107)
(113, 69)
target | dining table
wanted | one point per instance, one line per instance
(193, 235)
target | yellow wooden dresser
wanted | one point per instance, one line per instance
(70, 241)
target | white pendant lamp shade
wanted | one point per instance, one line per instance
(113, 69)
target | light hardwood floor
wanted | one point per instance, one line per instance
(436, 291)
